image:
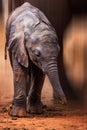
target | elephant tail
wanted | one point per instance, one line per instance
(5, 51)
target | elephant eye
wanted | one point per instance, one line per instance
(36, 53)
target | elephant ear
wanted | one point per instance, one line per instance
(43, 18)
(16, 46)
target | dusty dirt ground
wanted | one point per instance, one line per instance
(56, 117)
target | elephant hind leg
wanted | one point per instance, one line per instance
(34, 98)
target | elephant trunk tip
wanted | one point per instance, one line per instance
(63, 101)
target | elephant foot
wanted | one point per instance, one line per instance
(16, 111)
(36, 109)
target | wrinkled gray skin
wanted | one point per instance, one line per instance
(33, 50)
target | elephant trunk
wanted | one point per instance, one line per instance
(52, 73)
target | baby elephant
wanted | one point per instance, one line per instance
(33, 49)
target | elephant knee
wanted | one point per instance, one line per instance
(18, 74)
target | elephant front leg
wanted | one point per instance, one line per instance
(34, 98)
(18, 107)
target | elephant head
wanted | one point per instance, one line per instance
(30, 35)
